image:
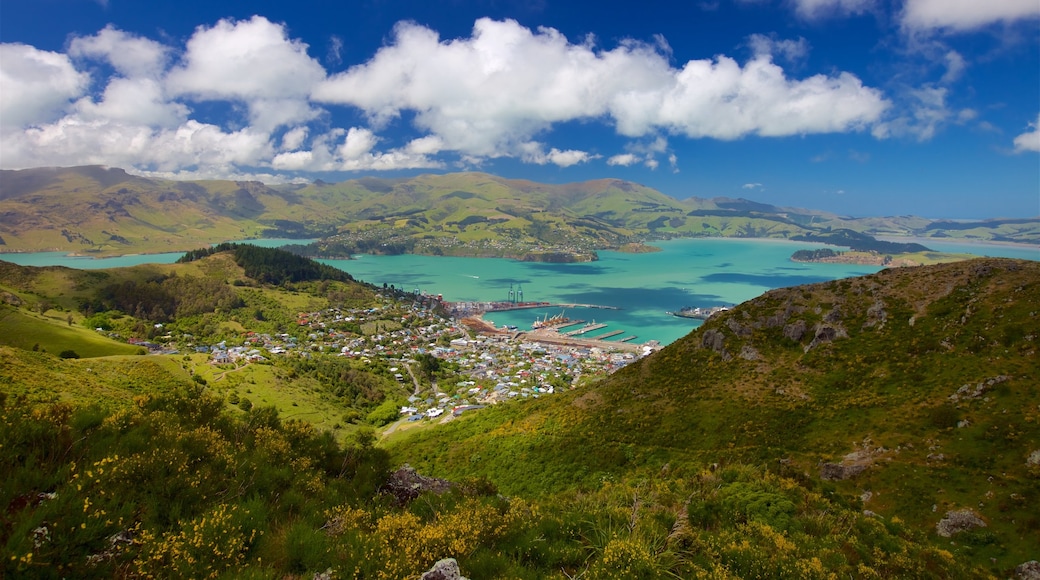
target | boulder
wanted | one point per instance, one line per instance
(839, 471)
(1028, 571)
(795, 331)
(406, 484)
(446, 569)
(957, 521)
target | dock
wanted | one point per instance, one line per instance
(571, 323)
(584, 329)
(607, 335)
(626, 339)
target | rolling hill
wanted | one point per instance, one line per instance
(913, 392)
(105, 211)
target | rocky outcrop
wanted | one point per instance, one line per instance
(1028, 571)
(825, 333)
(406, 484)
(714, 340)
(795, 331)
(839, 471)
(968, 391)
(446, 569)
(749, 352)
(957, 521)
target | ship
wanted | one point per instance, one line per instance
(697, 312)
(549, 322)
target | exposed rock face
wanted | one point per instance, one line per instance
(1028, 571)
(406, 484)
(825, 333)
(446, 569)
(749, 352)
(876, 314)
(738, 328)
(973, 392)
(957, 521)
(795, 331)
(714, 340)
(1034, 458)
(839, 471)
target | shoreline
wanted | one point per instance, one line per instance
(961, 241)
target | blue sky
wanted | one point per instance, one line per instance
(860, 107)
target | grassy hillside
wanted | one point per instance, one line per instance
(911, 392)
(105, 211)
(805, 434)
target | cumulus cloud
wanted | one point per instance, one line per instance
(37, 85)
(925, 113)
(959, 15)
(251, 61)
(1030, 140)
(132, 56)
(489, 94)
(752, 186)
(813, 9)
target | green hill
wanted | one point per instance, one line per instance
(912, 392)
(820, 431)
(105, 211)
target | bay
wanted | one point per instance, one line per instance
(644, 287)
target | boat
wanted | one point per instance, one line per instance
(697, 312)
(549, 322)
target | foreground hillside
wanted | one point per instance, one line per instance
(911, 393)
(816, 432)
(106, 211)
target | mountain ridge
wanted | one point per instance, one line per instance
(105, 211)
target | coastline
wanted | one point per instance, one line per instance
(960, 241)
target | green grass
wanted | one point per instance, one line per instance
(51, 332)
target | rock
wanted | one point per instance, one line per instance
(838, 471)
(968, 392)
(1034, 458)
(833, 316)
(957, 521)
(446, 569)
(406, 484)
(749, 353)
(876, 314)
(738, 328)
(1028, 571)
(825, 333)
(713, 340)
(795, 331)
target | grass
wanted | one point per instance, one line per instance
(52, 333)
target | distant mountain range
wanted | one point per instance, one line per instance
(102, 210)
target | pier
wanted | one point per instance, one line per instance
(607, 335)
(571, 323)
(626, 339)
(584, 329)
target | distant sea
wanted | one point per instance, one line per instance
(645, 287)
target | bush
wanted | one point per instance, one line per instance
(68, 354)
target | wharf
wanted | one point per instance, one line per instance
(584, 329)
(626, 339)
(571, 323)
(607, 335)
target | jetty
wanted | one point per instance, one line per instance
(584, 329)
(571, 323)
(607, 335)
(626, 339)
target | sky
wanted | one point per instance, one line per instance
(858, 107)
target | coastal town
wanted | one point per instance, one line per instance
(484, 365)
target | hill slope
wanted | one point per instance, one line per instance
(914, 391)
(102, 210)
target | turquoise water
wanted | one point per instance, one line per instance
(704, 272)
(700, 272)
(90, 263)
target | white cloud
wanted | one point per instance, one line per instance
(132, 56)
(813, 9)
(955, 66)
(624, 160)
(790, 50)
(252, 61)
(134, 101)
(1030, 140)
(534, 152)
(37, 85)
(966, 14)
(926, 113)
(293, 138)
(752, 186)
(489, 94)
